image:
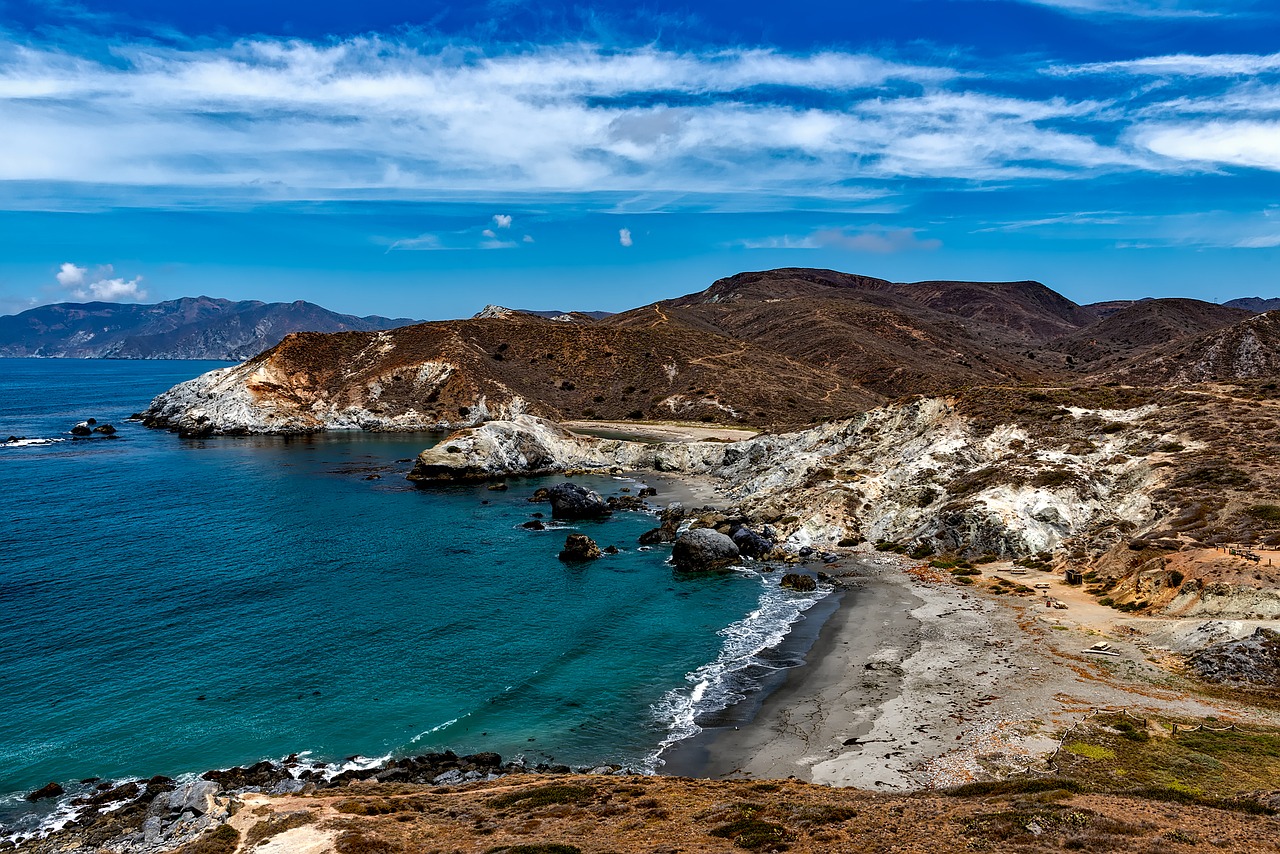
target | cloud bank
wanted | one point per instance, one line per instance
(386, 118)
(101, 285)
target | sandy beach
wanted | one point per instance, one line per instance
(916, 683)
(658, 432)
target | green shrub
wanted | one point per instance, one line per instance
(556, 793)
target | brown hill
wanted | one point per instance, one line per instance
(1141, 326)
(1249, 349)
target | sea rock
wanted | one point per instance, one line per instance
(647, 491)
(571, 501)
(703, 550)
(500, 486)
(111, 794)
(540, 495)
(579, 547)
(263, 774)
(105, 429)
(82, 429)
(534, 525)
(751, 544)
(798, 582)
(52, 790)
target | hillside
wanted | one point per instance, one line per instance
(188, 328)
(452, 373)
(779, 348)
(1249, 349)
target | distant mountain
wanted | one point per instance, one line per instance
(1255, 304)
(188, 328)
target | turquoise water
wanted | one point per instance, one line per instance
(172, 605)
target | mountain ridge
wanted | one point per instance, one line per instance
(186, 328)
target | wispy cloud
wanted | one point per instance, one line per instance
(478, 237)
(1148, 8)
(874, 239)
(1178, 65)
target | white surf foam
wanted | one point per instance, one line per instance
(712, 687)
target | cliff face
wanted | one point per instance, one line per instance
(192, 328)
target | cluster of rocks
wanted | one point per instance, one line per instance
(90, 426)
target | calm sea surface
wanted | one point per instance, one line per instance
(172, 605)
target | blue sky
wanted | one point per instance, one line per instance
(423, 158)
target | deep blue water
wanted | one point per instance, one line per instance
(172, 605)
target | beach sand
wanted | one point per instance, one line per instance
(916, 683)
(658, 432)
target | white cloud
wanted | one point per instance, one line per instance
(502, 220)
(488, 232)
(1236, 143)
(69, 275)
(1178, 65)
(624, 236)
(528, 238)
(100, 286)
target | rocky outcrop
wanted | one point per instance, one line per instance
(1252, 662)
(579, 548)
(51, 790)
(920, 471)
(703, 550)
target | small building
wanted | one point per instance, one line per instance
(1074, 576)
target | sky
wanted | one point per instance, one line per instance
(423, 159)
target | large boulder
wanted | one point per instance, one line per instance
(703, 550)
(82, 429)
(797, 581)
(670, 519)
(52, 790)
(751, 544)
(579, 547)
(570, 501)
(105, 429)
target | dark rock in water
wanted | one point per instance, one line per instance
(796, 581)
(15, 439)
(373, 477)
(703, 550)
(570, 501)
(655, 536)
(91, 421)
(82, 429)
(534, 525)
(123, 792)
(497, 487)
(262, 773)
(805, 551)
(579, 547)
(485, 760)
(536, 515)
(539, 495)
(647, 491)
(611, 550)
(104, 429)
(1249, 662)
(53, 790)
(670, 520)
(751, 544)
(626, 502)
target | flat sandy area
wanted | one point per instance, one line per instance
(657, 432)
(916, 682)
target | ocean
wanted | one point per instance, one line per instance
(171, 605)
